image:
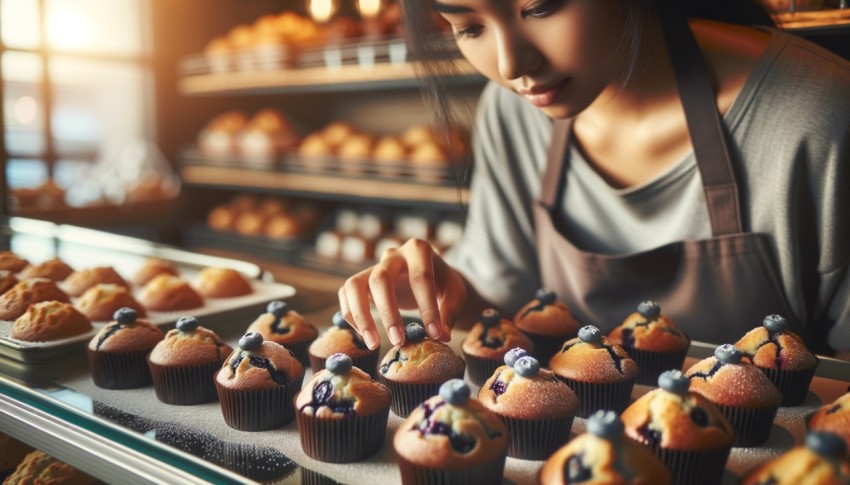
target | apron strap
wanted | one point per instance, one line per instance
(553, 177)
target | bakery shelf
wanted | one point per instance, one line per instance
(815, 21)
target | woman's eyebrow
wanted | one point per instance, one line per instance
(450, 9)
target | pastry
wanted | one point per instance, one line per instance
(40, 468)
(489, 339)
(168, 293)
(548, 323)
(53, 269)
(7, 281)
(222, 283)
(118, 351)
(10, 261)
(151, 268)
(285, 326)
(15, 301)
(342, 338)
(101, 301)
(79, 281)
(50, 320)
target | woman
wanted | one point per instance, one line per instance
(625, 153)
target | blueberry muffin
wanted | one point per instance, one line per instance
(783, 357)
(7, 281)
(741, 391)
(79, 281)
(53, 269)
(342, 338)
(257, 384)
(547, 322)
(222, 283)
(184, 363)
(117, 353)
(415, 369)
(10, 261)
(40, 468)
(16, 300)
(285, 326)
(599, 371)
(101, 301)
(50, 320)
(167, 293)
(653, 341)
(489, 339)
(537, 407)
(684, 429)
(151, 268)
(342, 413)
(604, 455)
(820, 461)
(834, 418)
(451, 438)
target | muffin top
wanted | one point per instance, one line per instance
(190, 344)
(167, 292)
(727, 380)
(592, 357)
(39, 467)
(451, 430)
(53, 269)
(222, 283)
(420, 360)
(834, 417)
(10, 261)
(7, 280)
(340, 338)
(341, 390)
(49, 320)
(774, 346)
(283, 325)
(648, 329)
(16, 300)
(80, 281)
(521, 389)
(151, 268)
(546, 315)
(259, 364)
(126, 333)
(604, 455)
(492, 336)
(102, 300)
(821, 460)
(674, 417)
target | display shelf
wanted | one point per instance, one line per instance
(101, 214)
(815, 21)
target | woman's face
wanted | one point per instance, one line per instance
(558, 54)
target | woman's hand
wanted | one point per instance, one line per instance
(411, 276)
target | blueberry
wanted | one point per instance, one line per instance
(490, 317)
(828, 445)
(414, 332)
(699, 417)
(728, 354)
(125, 316)
(545, 297)
(605, 424)
(338, 363)
(338, 320)
(251, 341)
(277, 308)
(775, 323)
(590, 334)
(649, 309)
(187, 324)
(455, 391)
(513, 355)
(674, 381)
(527, 366)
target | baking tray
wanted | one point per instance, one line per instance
(84, 248)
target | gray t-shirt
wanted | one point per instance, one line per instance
(790, 131)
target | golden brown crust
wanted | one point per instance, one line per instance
(50, 320)
(368, 396)
(739, 385)
(223, 218)
(340, 340)
(15, 302)
(657, 334)
(617, 462)
(100, 302)
(10, 261)
(543, 396)
(222, 283)
(53, 269)
(247, 377)
(201, 346)
(79, 281)
(300, 330)
(151, 268)
(591, 362)
(39, 468)
(505, 333)
(7, 281)
(553, 320)
(168, 293)
(421, 362)
(782, 350)
(835, 418)
(115, 337)
(800, 466)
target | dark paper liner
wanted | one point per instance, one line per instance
(593, 396)
(408, 395)
(752, 425)
(119, 370)
(185, 385)
(309, 477)
(793, 384)
(486, 473)
(258, 410)
(367, 363)
(652, 364)
(342, 440)
(536, 439)
(546, 346)
(301, 351)
(694, 467)
(479, 370)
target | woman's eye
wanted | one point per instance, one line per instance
(468, 32)
(543, 9)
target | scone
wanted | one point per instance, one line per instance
(167, 293)
(151, 268)
(53, 269)
(79, 281)
(15, 301)
(101, 301)
(50, 320)
(222, 283)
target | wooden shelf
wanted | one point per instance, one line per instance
(102, 215)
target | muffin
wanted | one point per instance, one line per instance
(40, 468)
(742, 393)
(342, 413)
(547, 322)
(184, 363)
(487, 343)
(599, 371)
(16, 300)
(117, 352)
(820, 461)
(415, 369)
(50, 320)
(834, 418)
(101, 301)
(287, 327)
(7, 281)
(604, 455)
(151, 268)
(257, 384)
(537, 408)
(222, 283)
(653, 341)
(342, 338)
(684, 429)
(79, 281)
(451, 438)
(168, 293)
(53, 269)
(10, 261)
(782, 356)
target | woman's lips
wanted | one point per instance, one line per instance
(545, 96)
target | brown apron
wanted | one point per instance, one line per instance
(714, 289)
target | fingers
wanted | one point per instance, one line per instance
(452, 299)
(383, 291)
(420, 268)
(354, 304)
